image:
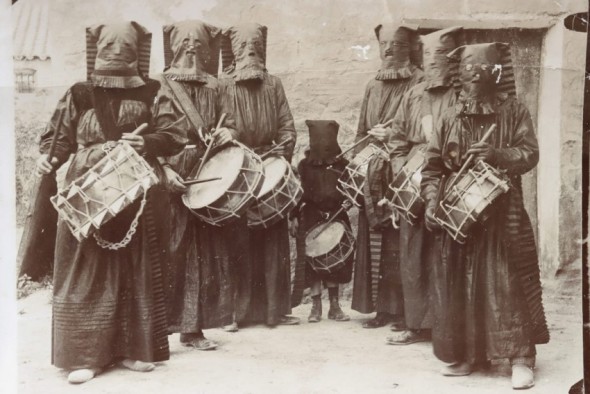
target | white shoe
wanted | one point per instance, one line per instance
(138, 366)
(82, 375)
(457, 369)
(522, 377)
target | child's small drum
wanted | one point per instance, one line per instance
(353, 178)
(280, 193)
(405, 189)
(328, 246)
(106, 189)
(465, 203)
(222, 201)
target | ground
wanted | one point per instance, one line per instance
(327, 357)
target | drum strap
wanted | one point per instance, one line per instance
(182, 99)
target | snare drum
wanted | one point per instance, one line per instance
(280, 192)
(405, 189)
(465, 203)
(352, 180)
(106, 189)
(328, 246)
(222, 201)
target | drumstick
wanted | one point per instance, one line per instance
(328, 222)
(195, 181)
(140, 129)
(221, 119)
(275, 147)
(362, 140)
(471, 157)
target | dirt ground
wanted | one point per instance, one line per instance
(328, 357)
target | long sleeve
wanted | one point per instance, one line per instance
(398, 143)
(286, 125)
(170, 127)
(64, 132)
(433, 163)
(522, 153)
(361, 130)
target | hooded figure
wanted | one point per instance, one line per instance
(377, 286)
(257, 102)
(108, 301)
(319, 172)
(421, 108)
(493, 302)
(200, 292)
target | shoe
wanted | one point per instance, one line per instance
(289, 320)
(335, 312)
(407, 337)
(316, 310)
(380, 320)
(197, 341)
(83, 375)
(457, 369)
(137, 366)
(522, 377)
(231, 327)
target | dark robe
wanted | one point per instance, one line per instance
(200, 292)
(489, 288)
(263, 279)
(419, 251)
(377, 282)
(108, 304)
(321, 199)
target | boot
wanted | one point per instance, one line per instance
(316, 310)
(335, 313)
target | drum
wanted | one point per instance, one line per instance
(352, 180)
(467, 200)
(222, 201)
(279, 194)
(328, 246)
(404, 191)
(106, 189)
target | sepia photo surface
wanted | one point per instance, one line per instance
(321, 61)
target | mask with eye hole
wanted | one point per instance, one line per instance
(437, 69)
(479, 69)
(190, 43)
(394, 50)
(249, 50)
(117, 49)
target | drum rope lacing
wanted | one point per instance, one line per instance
(105, 244)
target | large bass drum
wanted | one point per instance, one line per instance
(279, 194)
(327, 246)
(221, 201)
(465, 203)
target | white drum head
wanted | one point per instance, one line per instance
(325, 241)
(226, 164)
(274, 170)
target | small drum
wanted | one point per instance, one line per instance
(465, 203)
(328, 246)
(405, 189)
(221, 201)
(280, 192)
(352, 180)
(106, 189)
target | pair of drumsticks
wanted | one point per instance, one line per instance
(142, 127)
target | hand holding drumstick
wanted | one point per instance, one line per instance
(134, 139)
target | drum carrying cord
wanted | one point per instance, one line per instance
(103, 243)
